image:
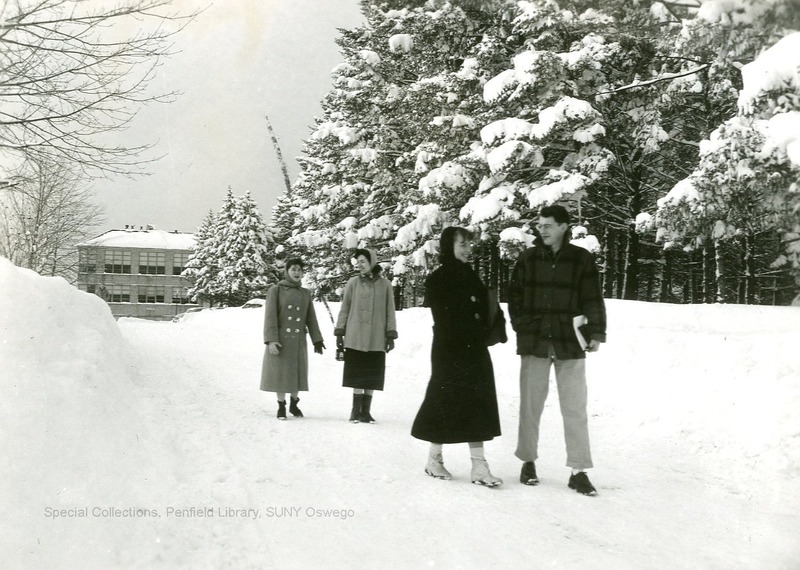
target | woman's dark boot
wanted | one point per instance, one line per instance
(365, 405)
(293, 407)
(355, 414)
(281, 409)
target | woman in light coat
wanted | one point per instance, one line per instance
(366, 329)
(288, 314)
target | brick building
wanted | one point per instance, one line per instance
(137, 271)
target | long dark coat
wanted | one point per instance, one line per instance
(288, 313)
(461, 401)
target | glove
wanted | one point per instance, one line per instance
(339, 342)
(319, 347)
(389, 344)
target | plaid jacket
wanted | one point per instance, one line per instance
(546, 292)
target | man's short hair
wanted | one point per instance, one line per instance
(558, 213)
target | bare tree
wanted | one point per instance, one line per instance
(72, 71)
(44, 213)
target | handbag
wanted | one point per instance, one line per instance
(340, 349)
(497, 321)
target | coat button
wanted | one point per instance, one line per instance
(297, 330)
(298, 319)
(298, 308)
(477, 316)
(288, 330)
(473, 299)
(290, 306)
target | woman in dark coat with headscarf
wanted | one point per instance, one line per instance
(460, 403)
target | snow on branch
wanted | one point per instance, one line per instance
(425, 219)
(665, 77)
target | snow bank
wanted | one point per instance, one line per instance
(72, 429)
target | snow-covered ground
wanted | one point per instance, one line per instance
(694, 423)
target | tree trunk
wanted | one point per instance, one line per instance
(749, 269)
(688, 294)
(608, 264)
(709, 283)
(630, 286)
(720, 271)
(666, 279)
(619, 267)
(494, 267)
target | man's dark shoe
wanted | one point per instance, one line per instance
(580, 482)
(528, 474)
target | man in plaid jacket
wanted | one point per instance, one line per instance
(554, 282)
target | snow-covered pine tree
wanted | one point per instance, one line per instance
(201, 268)
(337, 167)
(242, 252)
(432, 108)
(365, 158)
(695, 91)
(233, 260)
(748, 179)
(540, 134)
(478, 113)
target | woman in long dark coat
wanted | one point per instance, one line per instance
(461, 401)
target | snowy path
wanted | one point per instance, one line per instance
(683, 417)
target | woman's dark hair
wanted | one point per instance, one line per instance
(447, 242)
(368, 254)
(365, 253)
(294, 261)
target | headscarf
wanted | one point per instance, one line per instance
(372, 257)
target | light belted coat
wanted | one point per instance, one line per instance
(366, 317)
(288, 312)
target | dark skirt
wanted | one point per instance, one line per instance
(364, 370)
(460, 402)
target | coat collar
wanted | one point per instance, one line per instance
(287, 283)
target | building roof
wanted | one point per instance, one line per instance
(142, 238)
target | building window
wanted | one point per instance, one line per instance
(179, 261)
(152, 263)
(151, 294)
(87, 260)
(91, 288)
(180, 296)
(118, 261)
(119, 293)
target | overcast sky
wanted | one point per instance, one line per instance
(241, 60)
